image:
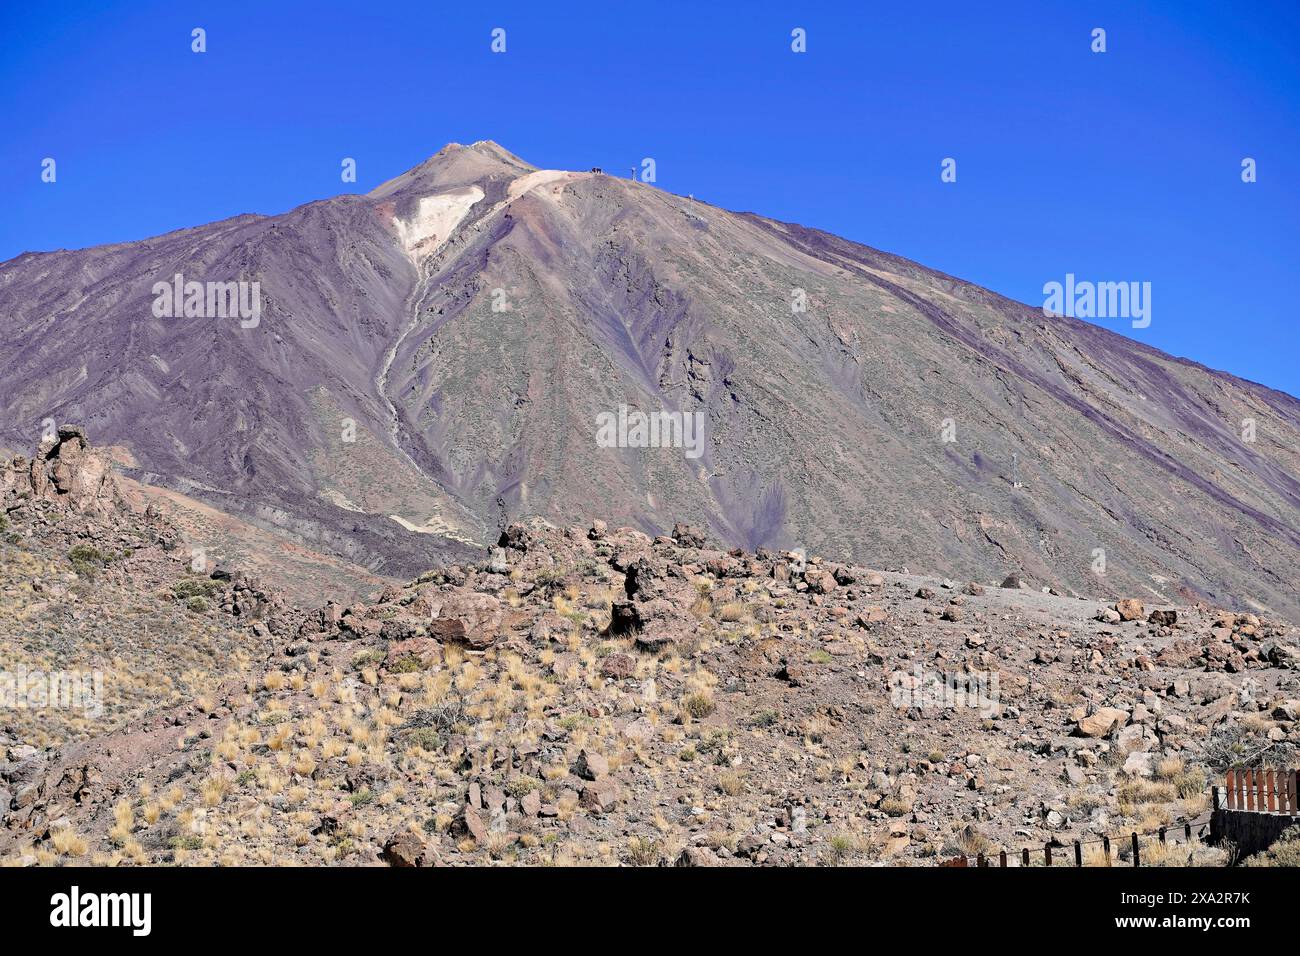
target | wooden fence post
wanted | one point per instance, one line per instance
(1078, 853)
(1268, 786)
(979, 860)
(1047, 853)
(1188, 831)
(1137, 859)
(1232, 789)
(1024, 857)
(1002, 858)
(1162, 835)
(1105, 845)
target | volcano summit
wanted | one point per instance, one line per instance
(431, 358)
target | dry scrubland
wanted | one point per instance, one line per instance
(596, 696)
(154, 638)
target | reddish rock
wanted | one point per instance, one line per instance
(688, 536)
(530, 804)
(617, 666)
(468, 618)
(872, 616)
(406, 849)
(696, 856)
(600, 796)
(1130, 609)
(1101, 722)
(472, 823)
(819, 580)
(794, 674)
(590, 766)
(418, 653)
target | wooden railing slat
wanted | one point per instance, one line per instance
(1263, 790)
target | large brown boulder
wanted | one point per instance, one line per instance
(407, 849)
(600, 796)
(646, 579)
(820, 581)
(474, 620)
(688, 536)
(656, 624)
(1101, 721)
(617, 666)
(1130, 609)
(416, 653)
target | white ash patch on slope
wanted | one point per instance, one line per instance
(544, 177)
(435, 219)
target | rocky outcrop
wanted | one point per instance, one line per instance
(65, 470)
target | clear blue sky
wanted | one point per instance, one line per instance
(1116, 166)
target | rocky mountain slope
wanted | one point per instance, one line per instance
(431, 360)
(595, 695)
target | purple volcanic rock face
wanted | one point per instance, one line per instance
(432, 360)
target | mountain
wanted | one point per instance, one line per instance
(449, 352)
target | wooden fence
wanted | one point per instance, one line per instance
(1251, 789)
(1061, 854)
(1264, 791)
